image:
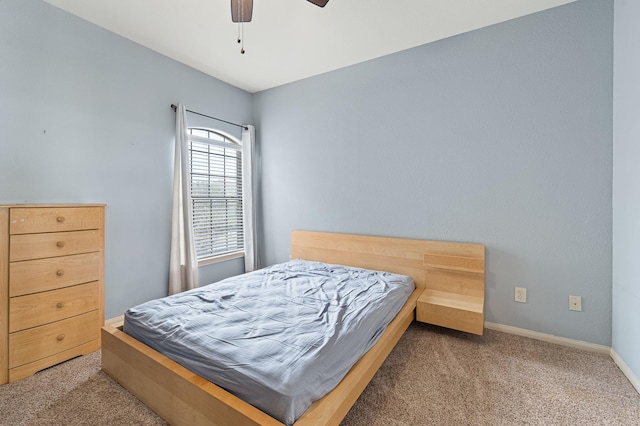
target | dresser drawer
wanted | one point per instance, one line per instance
(54, 219)
(32, 276)
(42, 308)
(40, 342)
(38, 246)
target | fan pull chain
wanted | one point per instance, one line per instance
(241, 37)
(241, 27)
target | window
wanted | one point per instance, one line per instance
(216, 193)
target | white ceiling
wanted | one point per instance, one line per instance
(289, 40)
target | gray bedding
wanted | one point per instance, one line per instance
(280, 337)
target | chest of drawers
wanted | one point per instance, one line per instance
(51, 285)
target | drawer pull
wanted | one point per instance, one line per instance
(60, 337)
(60, 305)
(60, 219)
(60, 244)
(59, 272)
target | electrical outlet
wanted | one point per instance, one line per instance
(521, 295)
(575, 303)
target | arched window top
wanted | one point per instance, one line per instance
(202, 134)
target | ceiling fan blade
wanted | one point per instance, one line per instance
(320, 3)
(242, 10)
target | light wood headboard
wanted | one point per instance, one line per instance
(397, 255)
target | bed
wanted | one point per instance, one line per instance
(183, 397)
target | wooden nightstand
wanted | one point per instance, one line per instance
(454, 293)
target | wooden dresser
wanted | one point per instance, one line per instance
(51, 285)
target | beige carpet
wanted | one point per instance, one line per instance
(433, 377)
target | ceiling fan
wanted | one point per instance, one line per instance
(242, 10)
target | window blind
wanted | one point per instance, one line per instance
(216, 193)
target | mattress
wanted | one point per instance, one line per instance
(279, 338)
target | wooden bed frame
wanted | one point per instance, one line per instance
(184, 398)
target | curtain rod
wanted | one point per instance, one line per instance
(213, 118)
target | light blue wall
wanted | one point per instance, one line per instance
(501, 136)
(85, 117)
(626, 184)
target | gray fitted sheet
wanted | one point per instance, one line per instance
(278, 338)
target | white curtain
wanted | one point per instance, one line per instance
(248, 198)
(183, 267)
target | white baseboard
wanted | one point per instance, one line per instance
(578, 344)
(625, 369)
